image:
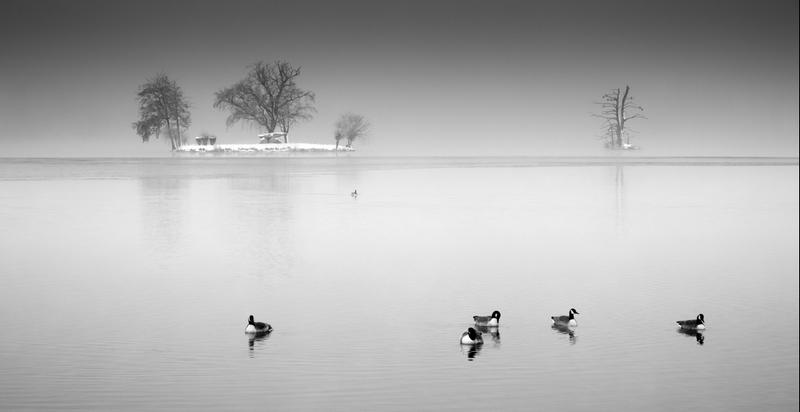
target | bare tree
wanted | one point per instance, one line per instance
(337, 135)
(162, 109)
(268, 96)
(350, 126)
(617, 107)
(300, 109)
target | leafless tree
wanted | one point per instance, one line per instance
(268, 96)
(300, 109)
(617, 107)
(350, 126)
(162, 109)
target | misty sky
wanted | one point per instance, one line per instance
(433, 78)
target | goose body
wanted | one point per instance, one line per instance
(471, 337)
(493, 320)
(699, 323)
(566, 320)
(257, 327)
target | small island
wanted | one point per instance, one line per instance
(268, 97)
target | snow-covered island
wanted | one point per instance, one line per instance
(268, 143)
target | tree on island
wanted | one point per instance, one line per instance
(617, 108)
(350, 126)
(299, 109)
(162, 109)
(268, 96)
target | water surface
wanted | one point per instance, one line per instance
(125, 284)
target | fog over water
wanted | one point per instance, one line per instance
(126, 284)
(443, 78)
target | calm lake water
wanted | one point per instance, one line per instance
(126, 284)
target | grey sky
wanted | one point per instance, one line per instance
(460, 77)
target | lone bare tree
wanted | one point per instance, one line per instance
(617, 107)
(162, 109)
(350, 126)
(268, 96)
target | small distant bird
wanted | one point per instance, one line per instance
(354, 193)
(471, 337)
(257, 327)
(492, 320)
(698, 323)
(567, 320)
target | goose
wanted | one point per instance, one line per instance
(567, 320)
(257, 327)
(699, 323)
(354, 193)
(471, 337)
(492, 320)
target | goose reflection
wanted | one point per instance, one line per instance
(493, 331)
(566, 330)
(471, 350)
(698, 335)
(252, 338)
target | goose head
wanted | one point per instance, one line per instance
(473, 334)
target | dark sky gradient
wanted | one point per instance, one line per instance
(465, 77)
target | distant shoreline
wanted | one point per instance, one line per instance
(262, 148)
(478, 161)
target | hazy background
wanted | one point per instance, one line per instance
(457, 77)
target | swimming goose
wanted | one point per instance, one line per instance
(471, 337)
(493, 320)
(257, 327)
(699, 323)
(568, 320)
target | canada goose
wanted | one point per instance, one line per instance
(471, 337)
(492, 320)
(257, 327)
(354, 193)
(568, 320)
(698, 323)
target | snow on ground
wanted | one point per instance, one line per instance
(264, 147)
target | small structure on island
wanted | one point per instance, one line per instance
(206, 139)
(273, 137)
